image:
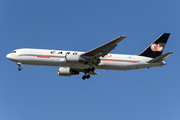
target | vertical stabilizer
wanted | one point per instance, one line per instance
(156, 48)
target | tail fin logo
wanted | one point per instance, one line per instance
(156, 47)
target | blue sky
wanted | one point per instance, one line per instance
(37, 92)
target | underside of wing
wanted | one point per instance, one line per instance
(84, 71)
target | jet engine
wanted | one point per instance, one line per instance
(74, 59)
(66, 71)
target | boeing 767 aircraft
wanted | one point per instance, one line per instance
(73, 62)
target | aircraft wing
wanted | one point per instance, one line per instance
(102, 50)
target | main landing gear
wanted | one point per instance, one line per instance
(19, 65)
(88, 71)
(86, 76)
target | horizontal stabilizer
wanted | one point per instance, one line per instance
(160, 58)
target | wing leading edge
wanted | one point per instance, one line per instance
(104, 49)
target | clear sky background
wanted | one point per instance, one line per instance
(38, 93)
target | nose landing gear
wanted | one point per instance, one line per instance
(19, 65)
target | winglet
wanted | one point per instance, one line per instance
(160, 58)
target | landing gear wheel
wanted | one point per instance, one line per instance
(84, 77)
(19, 68)
(88, 76)
(19, 65)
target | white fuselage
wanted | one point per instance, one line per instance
(57, 58)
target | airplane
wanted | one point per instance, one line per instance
(74, 62)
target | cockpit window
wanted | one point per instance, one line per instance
(13, 51)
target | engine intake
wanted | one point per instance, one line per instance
(66, 71)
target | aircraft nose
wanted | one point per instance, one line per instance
(8, 56)
(11, 57)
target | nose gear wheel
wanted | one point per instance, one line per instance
(19, 65)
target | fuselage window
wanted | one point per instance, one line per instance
(75, 53)
(60, 52)
(52, 52)
(68, 53)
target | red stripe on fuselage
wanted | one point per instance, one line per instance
(28, 55)
(56, 57)
(41, 56)
(120, 61)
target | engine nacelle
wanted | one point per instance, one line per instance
(66, 71)
(74, 59)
